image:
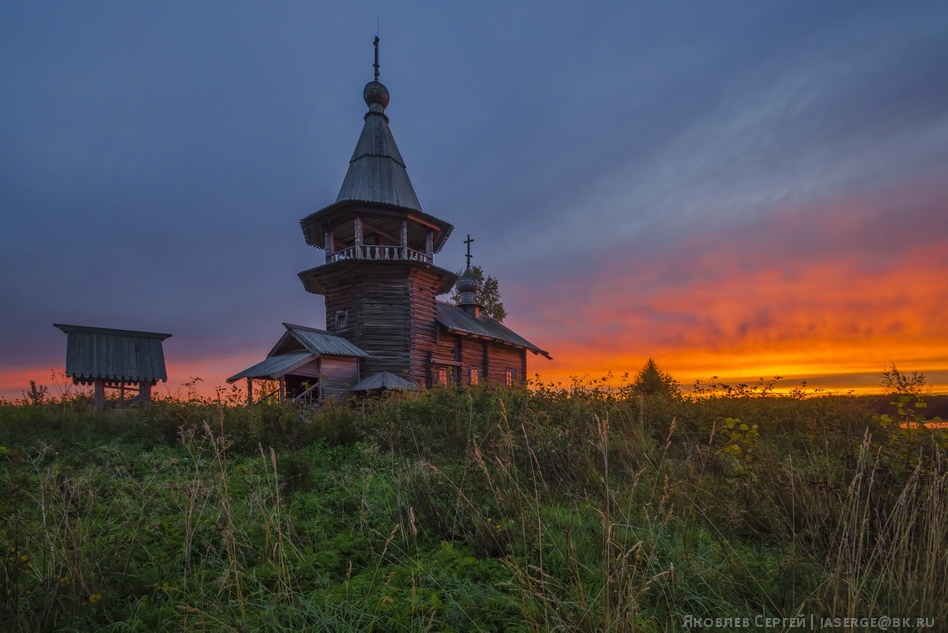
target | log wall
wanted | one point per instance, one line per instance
(492, 359)
(337, 374)
(389, 312)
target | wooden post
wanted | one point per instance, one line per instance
(144, 393)
(249, 391)
(429, 244)
(404, 239)
(328, 239)
(100, 394)
(357, 228)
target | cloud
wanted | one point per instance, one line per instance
(845, 286)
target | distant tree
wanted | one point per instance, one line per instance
(653, 381)
(488, 297)
(898, 382)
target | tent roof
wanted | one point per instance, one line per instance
(384, 380)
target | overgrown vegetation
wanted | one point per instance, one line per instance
(574, 509)
(897, 382)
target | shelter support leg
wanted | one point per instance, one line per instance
(100, 394)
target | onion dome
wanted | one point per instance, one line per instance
(467, 282)
(376, 96)
(468, 285)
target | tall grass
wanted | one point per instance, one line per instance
(571, 509)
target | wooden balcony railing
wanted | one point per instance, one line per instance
(381, 253)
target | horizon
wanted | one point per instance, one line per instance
(735, 191)
(58, 385)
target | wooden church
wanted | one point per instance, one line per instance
(385, 327)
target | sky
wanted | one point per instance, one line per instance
(738, 190)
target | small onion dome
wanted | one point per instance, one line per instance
(467, 282)
(375, 93)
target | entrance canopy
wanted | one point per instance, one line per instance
(308, 363)
(275, 367)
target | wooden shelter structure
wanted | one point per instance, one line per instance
(308, 364)
(126, 360)
(381, 284)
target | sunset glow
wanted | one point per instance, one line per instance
(766, 196)
(764, 300)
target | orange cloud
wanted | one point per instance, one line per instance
(834, 293)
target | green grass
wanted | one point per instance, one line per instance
(488, 509)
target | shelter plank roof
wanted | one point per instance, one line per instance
(114, 355)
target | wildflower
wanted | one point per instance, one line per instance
(64, 581)
(95, 598)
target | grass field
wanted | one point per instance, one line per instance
(550, 509)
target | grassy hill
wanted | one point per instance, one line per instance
(486, 509)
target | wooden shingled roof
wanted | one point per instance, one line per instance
(377, 171)
(125, 356)
(274, 367)
(455, 319)
(377, 179)
(318, 342)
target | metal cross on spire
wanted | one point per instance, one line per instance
(376, 64)
(468, 242)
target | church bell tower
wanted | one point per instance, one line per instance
(379, 279)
